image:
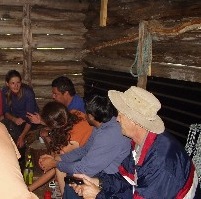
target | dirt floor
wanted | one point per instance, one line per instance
(37, 173)
(36, 149)
(41, 190)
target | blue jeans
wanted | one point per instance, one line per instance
(69, 193)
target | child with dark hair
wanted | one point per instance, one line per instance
(67, 130)
(62, 124)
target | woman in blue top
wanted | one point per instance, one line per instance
(18, 99)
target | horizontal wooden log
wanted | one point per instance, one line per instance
(178, 47)
(41, 102)
(56, 55)
(62, 27)
(41, 55)
(51, 14)
(11, 27)
(55, 68)
(189, 52)
(178, 59)
(38, 27)
(2, 81)
(58, 41)
(11, 41)
(168, 69)
(46, 80)
(178, 72)
(11, 55)
(11, 12)
(49, 70)
(6, 66)
(114, 34)
(157, 29)
(61, 4)
(15, 12)
(168, 28)
(45, 92)
(186, 52)
(120, 64)
(135, 11)
(192, 35)
(127, 50)
(43, 41)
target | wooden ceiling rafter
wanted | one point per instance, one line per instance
(155, 28)
(103, 13)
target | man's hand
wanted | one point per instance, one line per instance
(47, 162)
(92, 180)
(90, 188)
(19, 121)
(34, 118)
(20, 141)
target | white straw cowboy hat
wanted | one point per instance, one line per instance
(140, 106)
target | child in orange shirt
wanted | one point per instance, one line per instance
(67, 130)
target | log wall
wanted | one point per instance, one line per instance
(57, 38)
(175, 28)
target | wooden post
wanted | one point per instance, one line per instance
(27, 44)
(103, 13)
(143, 33)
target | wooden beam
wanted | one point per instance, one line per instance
(27, 44)
(103, 13)
(72, 5)
(142, 60)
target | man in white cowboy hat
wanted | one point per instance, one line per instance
(157, 167)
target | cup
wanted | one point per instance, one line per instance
(41, 140)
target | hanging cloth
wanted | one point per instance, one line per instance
(143, 63)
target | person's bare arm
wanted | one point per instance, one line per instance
(35, 118)
(71, 146)
(16, 120)
(60, 178)
(47, 162)
(1, 117)
(42, 180)
(20, 141)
